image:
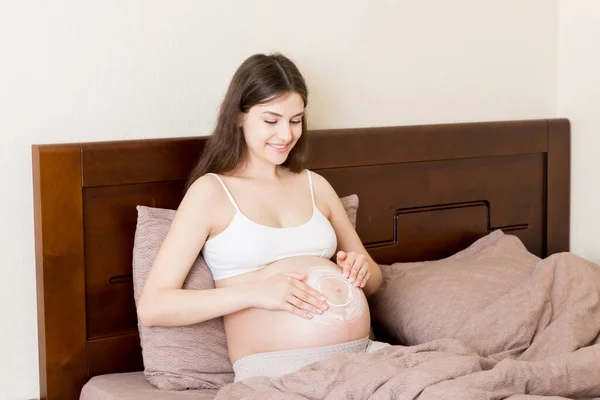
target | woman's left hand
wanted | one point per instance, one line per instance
(355, 267)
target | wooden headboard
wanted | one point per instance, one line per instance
(425, 192)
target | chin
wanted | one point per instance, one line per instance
(278, 162)
(277, 159)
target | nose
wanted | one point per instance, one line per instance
(285, 133)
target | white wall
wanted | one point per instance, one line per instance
(579, 100)
(100, 70)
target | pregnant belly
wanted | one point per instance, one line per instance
(256, 330)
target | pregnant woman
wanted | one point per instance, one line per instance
(268, 229)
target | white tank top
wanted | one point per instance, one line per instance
(246, 246)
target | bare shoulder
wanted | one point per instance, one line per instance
(205, 187)
(202, 197)
(322, 186)
(326, 197)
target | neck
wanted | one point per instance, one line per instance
(260, 170)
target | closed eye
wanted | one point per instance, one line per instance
(292, 122)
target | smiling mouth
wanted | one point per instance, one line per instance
(278, 146)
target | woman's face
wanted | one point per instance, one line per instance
(272, 129)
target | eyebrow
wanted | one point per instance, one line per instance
(279, 115)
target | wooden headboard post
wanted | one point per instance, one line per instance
(425, 192)
(559, 186)
(60, 271)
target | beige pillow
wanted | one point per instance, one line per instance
(187, 357)
(423, 301)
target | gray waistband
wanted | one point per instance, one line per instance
(278, 363)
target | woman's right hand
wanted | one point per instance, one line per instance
(288, 292)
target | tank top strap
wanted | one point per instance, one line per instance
(227, 192)
(310, 184)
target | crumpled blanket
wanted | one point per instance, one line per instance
(557, 308)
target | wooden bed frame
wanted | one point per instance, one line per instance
(425, 192)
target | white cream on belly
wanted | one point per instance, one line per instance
(345, 303)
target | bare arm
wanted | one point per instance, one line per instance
(162, 301)
(179, 307)
(348, 239)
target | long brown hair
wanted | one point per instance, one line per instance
(259, 79)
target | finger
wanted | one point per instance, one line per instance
(296, 311)
(366, 279)
(347, 269)
(354, 276)
(315, 293)
(360, 276)
(341, 261)
(347, 264)
(351, 260)
(302, 305)
(312, 303)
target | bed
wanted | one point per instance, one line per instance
(426, 192)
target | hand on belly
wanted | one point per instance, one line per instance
(347, 317)
(345, 302)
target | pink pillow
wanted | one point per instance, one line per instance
(423, 301)
(351, 206)
(187, 357)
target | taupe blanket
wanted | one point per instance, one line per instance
(554, 316)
